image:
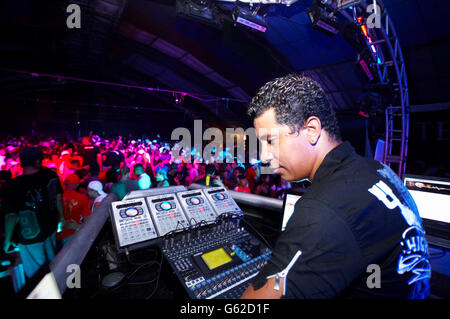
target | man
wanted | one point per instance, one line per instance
(95, 191)
(161, 178)
(356, 232)
(76, 209)
(112, 159)
(144, 181)
(242, 185)
(125, 184)
(91, 156)
(211, 178)
(33, 205)
(233, 176)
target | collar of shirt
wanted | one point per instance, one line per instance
(333, 160)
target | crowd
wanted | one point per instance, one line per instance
(71, 177)
(133, 163)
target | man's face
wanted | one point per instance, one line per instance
(289, 154)
(138, 171)
(92, 193)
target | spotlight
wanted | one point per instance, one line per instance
(321, 20)
(344, 4)
(199, 10)
(249, 19)
(366, 62)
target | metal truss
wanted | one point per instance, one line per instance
(383, 44)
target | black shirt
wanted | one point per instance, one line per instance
(89, 154)
(355, 233)
(33, 198)
(113, 158)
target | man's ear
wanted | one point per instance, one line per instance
(313, 128)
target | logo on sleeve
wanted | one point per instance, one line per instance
(414, 255)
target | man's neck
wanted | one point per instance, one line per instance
(328, 146)
(29, 170)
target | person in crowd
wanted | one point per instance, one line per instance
(144, 181)
(91, 156)
(263, 185)
(233, 178)
(68, 165)
(76, 209)
(250, 175)
(112, 158)
(125, 184)
(242, 185)
(32, 208)
(95, 191)
(192, 174)
(211, 177)
(161, 178)
(13, 165)
(5, 178)
(279, 187)
(2, 157)
(172, 177)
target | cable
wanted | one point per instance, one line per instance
(157, 278)
(126, 280)
(153, 262)
(259, 234)
(197, 96)
(140, 263)
(265, 242)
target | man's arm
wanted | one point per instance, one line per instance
(99, 161)
(265, 292)
(10, 224)
(329, 261)
(60, 206)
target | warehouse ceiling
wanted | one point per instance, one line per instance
(125, 46)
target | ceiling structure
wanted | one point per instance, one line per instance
(144, 43)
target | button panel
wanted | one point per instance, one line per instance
(167, 213)
(132, 222)
(197, 207)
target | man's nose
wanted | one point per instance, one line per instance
(266, 156)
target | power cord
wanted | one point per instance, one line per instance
(157, 278)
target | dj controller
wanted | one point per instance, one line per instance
(201, 234)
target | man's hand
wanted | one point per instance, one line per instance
(10, 224)
(71, 224)
(7, 244)
(265, 292)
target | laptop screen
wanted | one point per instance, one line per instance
(288, 208)
(432, 197)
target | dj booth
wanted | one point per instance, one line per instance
(174, 242)
(196, 243)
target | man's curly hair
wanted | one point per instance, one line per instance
(295, 98)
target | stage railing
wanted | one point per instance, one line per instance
(74, 252)
(250, 199)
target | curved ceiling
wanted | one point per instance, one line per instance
(144, 43)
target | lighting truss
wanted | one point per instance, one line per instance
(384, 46)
